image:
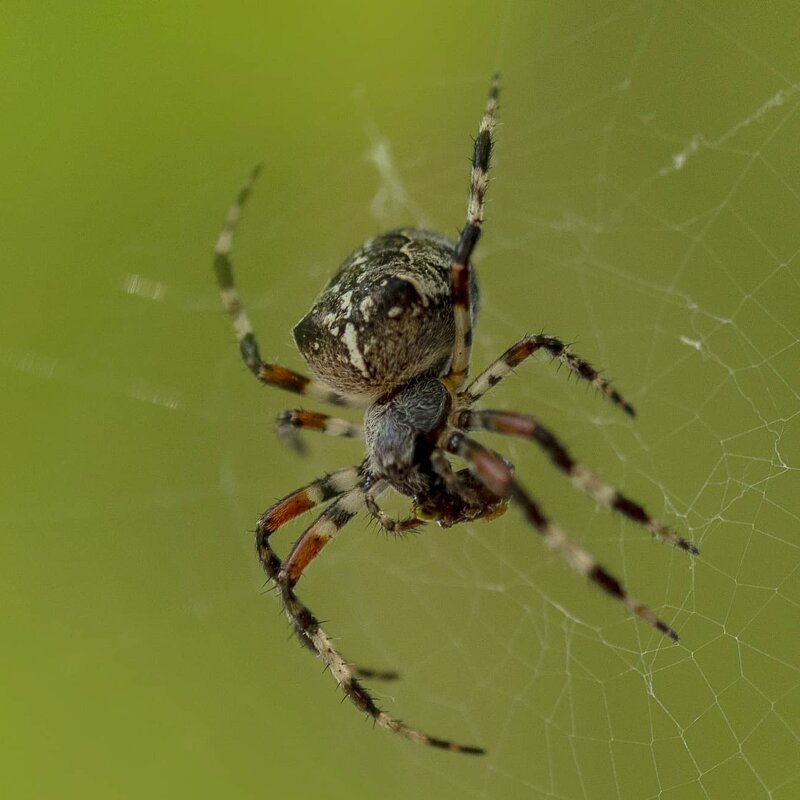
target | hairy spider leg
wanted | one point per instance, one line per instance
(498, 477)
(387, 522)
(324, 528)
(270, 374)
(305, 498)
(461, 267)
(524, 349)
(524, 426)
(307, 627)
(290, 422)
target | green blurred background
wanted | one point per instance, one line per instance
(645, 206)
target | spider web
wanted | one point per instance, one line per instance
(644, 205)
(649, 206)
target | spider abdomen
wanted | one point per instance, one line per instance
(385, 317)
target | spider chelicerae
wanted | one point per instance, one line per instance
(392, 334)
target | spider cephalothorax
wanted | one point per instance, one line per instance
(392, 333)
(402, 430)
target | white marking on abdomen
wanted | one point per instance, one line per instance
(350, 338)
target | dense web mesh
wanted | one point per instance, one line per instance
(644, 205)
(654, 212)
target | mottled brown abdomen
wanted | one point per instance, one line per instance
(385, 317)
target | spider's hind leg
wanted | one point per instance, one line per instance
(270, 374)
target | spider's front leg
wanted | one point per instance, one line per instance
(270, 374)
(306, 626)
(499, 478)
(524, 426)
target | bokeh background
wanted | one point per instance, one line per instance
(645, 206)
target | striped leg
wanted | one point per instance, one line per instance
(270, 374)
(461, 267)
(290, 422)
(324, 528)
(498, 477)
(305, 498)
(307, 628)
(526, 427)
(525, 348)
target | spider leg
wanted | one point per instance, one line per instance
(305, 498)
(460, 270)
(270, 374)
(293, 420)
(498, 477)
(444, 469)
(465, 499)
(387, 522)
(525, 348)
(324, 528)
(508, 423)
(307, 628)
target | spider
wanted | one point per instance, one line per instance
(392, 333)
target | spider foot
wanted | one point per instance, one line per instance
(311, 634)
